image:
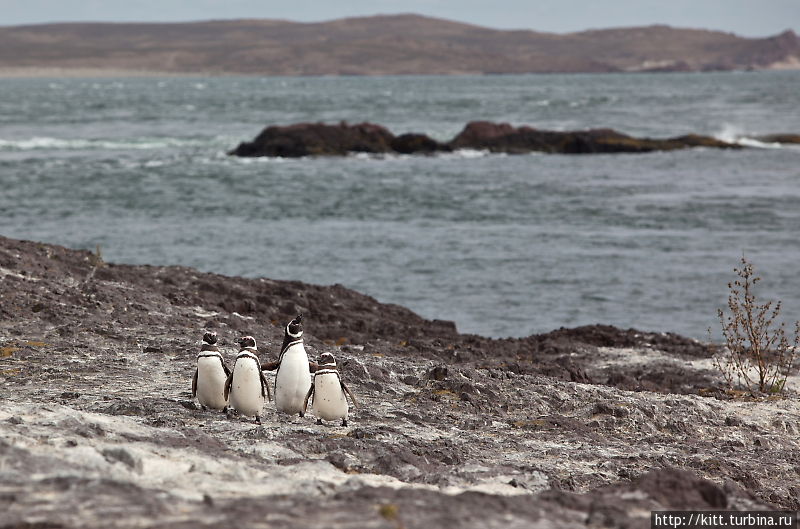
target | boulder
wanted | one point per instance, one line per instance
(314, 139)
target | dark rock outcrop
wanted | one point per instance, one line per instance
(315, 139)
(309, 139)
(779, 138)
(417, 144)
(502, 137)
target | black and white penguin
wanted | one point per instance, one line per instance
(246, 386)
(208, 384)
(329, 392)
(293, 377)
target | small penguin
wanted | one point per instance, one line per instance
(293, 377)
(329, 392)
(208, 384)
(246, 384)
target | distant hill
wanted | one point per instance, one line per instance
(396, 44)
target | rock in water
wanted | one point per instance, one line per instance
(316, 139)
(313, 139)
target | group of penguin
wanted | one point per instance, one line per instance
(297, 380)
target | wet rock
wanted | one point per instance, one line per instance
(314, 139)
(780, 138)
(417, 144)
(502, 137)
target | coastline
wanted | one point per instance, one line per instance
(43, 72)
(38, 72)
(97, 359)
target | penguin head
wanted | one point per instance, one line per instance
(295, 327)
(247, 341)
(326, 360)
(210, 338)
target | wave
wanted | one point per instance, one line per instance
(146, 143)
(733, 134)
(457, 154)
(367, 156)
(752, 142)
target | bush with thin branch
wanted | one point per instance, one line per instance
(758, 354)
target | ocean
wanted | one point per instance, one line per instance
(502, 245)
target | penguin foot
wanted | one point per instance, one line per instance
(302, 414)
(258, 419)
(319, 421)
(344, 422)
(203, 408)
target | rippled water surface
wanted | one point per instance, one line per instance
(503, 245)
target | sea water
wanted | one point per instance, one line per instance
(503, 245)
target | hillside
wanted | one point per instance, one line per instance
(379, 45)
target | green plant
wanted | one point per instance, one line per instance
(758, 353)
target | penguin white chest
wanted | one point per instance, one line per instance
(293, 380)
(245, 393)
(329, 399)
(211, 382)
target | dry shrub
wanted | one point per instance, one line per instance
(758, 354)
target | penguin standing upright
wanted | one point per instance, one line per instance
(329, 392)
(293, 377)
(246, 385)
(208, 384)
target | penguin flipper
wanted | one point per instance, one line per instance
(271, 366)
(348, 392)
(227, 390)
(224, 367)
(265, 386)
(194, 384)
(308, 396)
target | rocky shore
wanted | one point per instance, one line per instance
(321, 139)
(593, 426)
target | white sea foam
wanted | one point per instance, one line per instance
(752, 142)
(247, 160)
(49, 143)
(469, 153)
(734, 134)
(729, 133)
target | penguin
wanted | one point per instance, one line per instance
(246, 385)
(293, 376)
(329, 392)
(208, 383)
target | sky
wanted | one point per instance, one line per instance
(750, 18)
